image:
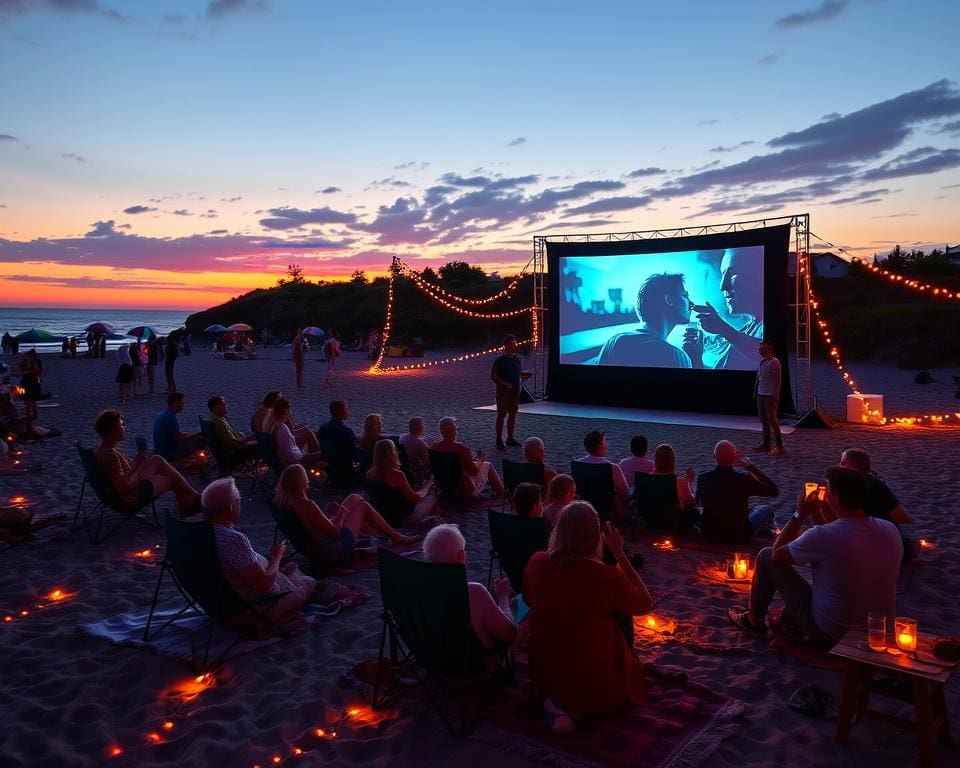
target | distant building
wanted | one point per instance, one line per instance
(829, 265)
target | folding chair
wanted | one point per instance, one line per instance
(240, 466)
(107, 499)
(427, 618)
(388, 501)
(516, 472)
(655, 500)
(194, 565)
(595, 484)
(448, 477)
(268, 452)
(341, 464)
(287, 523)
(513, 541)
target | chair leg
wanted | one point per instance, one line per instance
(153, 603)
(76, 517)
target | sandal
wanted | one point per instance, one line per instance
(741, 619)
(558, 720)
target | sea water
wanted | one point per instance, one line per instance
(71, 322)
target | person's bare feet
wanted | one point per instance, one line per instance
(403, 539)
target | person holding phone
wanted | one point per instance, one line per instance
(252, 575)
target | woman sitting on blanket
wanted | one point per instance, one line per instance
(138, 481)
(291, 448)
(405, 505)
(580, 661)
(334, 534)
(250, 574)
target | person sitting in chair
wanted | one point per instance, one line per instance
(491, 621)
(333, 534)
(596, 444)
(409, 507)
(289, 449)
(527, 500)
(476, 474)
(580, 661)
(250, 574)
(341, 442)
(534, 452)
(416, 450)
(140, 480)
(265, 409)
(637, 461)
(236, 446)
(665, 463)
(561, 491)
(169, 440)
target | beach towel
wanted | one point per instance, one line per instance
(186, 638)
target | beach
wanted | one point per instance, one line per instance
(69, 699)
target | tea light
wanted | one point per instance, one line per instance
(924, 544)
(739, 567)
(665, 544)
(905, 633)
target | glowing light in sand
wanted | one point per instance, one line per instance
(666, 544)
(738, 567)
(656, 625)
(924, 544)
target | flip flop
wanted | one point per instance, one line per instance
(740, 618)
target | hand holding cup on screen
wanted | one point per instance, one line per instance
(710, 319)
(692, 344)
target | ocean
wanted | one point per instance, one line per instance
(71, 322)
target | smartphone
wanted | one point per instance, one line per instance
(141, 444)
(821, 492)
(809, 489)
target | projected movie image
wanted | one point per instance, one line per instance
(685, 309)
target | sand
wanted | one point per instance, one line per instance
(67, 698)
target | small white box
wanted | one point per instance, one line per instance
(865, 409)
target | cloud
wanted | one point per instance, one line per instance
(294, 218)
(732, 147)
(867, 196)
(135, 209)
(952, 128)
(641, 172)
(517, 141)
(413, 165)
(770, 58)
(8, 137)
(231, 199)
(181, 212)
(827, 10)
(218, 9)
(73, 156)
(175, 19)
(919, 162)
(708, 121)
(105, 282)
(390, 181)
(328, 190)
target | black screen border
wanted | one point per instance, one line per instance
(672, 389)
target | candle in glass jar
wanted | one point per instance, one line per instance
(905, 633)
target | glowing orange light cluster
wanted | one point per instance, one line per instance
(908, 282)
(387, 323)
(666, 544)
(427, 288)
(657, 625)
(445, 360)
(57, 595)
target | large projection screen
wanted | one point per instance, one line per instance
(668, 323)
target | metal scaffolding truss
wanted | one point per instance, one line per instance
(800, 244)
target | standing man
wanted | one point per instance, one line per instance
(767, 391)
(506, 375)
(298, 357)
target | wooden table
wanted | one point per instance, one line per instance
(926, 674)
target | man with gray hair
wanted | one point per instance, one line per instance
(492, 621)
(476, 473)
(724, 494)
(662, 304)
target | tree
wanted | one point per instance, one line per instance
(359, 277)
(294, 276)
(429, 275)
(461, 273)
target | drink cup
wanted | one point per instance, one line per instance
(877, 631)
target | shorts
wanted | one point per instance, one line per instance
(508, 401)
(333, 552)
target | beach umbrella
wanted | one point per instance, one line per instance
(217, 328)
(312, 330)
(142, 332)
(36, 336)
(100, 328)
(239, 327)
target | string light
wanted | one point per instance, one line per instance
(387, 320)
(54, 596)
(446, 360)
(928, 419)
(907, 282)
(427, 288)
(514, 284)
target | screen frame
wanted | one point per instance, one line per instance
(675, 389)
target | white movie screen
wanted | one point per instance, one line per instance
(683, 309)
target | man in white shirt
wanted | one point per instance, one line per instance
(596, 444)
(767, 392)
(855, 561)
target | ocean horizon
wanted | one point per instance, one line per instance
(65, 321)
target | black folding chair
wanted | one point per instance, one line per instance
(341, 464)
(513, 541)
(106, 499)
(268, 452)
(595, 484)
(656, 502)
(448, 477)
(516, 472)
(427, 619)
(193, 562)
(388, 501)
(241, 465)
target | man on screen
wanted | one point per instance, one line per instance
(662, 304)
(742, 285)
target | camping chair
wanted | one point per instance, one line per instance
(107, 499)
(388, 501)
(655, 500)
(595, 484)
(448, 477)
(426, 614)
(239, 466)
(513, 541)
(193, 563)
(341, 466)
(268, 452)
(294, 531)
(516, 472)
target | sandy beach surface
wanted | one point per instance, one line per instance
(67, 698)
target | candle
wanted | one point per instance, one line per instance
(905, 633)
(738, 567)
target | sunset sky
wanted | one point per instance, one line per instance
(174, 153)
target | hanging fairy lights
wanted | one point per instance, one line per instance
(428, 289)
(387, 320)
(907, 282)
(927, 419)
(513, 285)
(451, 359)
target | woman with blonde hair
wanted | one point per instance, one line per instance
(665, 463)
(371, 433)
(335, 532)
(398, 502)
(580, 661)
(290, 448)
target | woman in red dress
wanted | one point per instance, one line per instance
(580, 661)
